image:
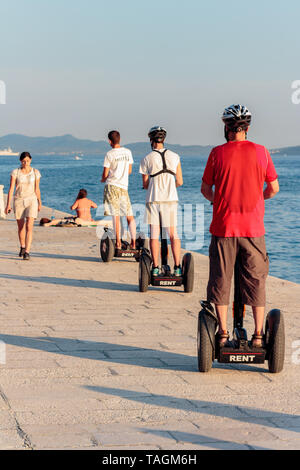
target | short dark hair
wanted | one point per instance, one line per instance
(114, 137)
(24, 155)
(82, 194)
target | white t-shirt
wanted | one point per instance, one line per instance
(162, 188)
(118, 161)
(25, 183)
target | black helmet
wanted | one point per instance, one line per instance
(157, 134)
(237, 118)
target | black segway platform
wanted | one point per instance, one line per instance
(166, 278)
(239, 349)
(108, 249)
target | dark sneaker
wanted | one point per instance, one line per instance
(22, 251)
(26, 256)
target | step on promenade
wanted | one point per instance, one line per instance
(92, 363)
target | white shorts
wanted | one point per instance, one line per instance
(164, 211)
(26, 207)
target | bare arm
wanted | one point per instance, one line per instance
(38, 193)
(10, 194)
(145, 181)
(74, 206)
(207, 191)
(130, 169)
(179, 178)
(271, 189)
(104, 174)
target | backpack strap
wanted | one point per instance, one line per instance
(165, 169)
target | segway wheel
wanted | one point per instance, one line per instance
(275, 340)
(107, 248)
(141, 242)
(188, 272)
(144, 274)
(206, 341)
(146, 244)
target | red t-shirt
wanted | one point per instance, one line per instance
(238, 170)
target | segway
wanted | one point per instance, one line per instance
(165, 278)
(239, 349)
(108, 249)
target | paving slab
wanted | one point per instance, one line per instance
(92, 363)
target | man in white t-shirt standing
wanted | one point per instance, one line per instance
(117, 167)
(162, 174)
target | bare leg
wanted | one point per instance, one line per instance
(29, 233)
(258, 315)
(84, 223)
(21, 232)
(132, 230)
(117, 229)
(175, 244)
(154, 243)
(222, 316)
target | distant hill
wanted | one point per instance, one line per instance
(287, 150)
(142, 148)
(68, 145)
(65, 144)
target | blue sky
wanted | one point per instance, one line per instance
(84, 67)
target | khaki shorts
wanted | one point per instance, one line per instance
(166, 211)
(116, 201)
(254, 269)
(26, 207)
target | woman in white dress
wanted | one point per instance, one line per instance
(26, 201)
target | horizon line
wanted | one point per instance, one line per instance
(127, 143)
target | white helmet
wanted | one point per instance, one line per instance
(157, 134)
(237, 117)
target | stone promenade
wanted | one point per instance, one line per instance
(89, 362)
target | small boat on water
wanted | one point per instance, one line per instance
(77, 158)
(8, 152)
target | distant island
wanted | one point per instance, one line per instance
(69, 145)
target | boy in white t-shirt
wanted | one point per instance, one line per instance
(117, 166)
(162, 174)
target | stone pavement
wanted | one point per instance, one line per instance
(92, 363)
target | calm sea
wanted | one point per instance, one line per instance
(63, 176)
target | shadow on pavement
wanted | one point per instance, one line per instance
(107, 285)
(246, 414)
(114, 353)
(63, 281)
(202, 439)
(14, 255)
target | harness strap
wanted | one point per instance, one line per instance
(165, 169)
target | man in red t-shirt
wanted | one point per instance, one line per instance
(238, 171)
